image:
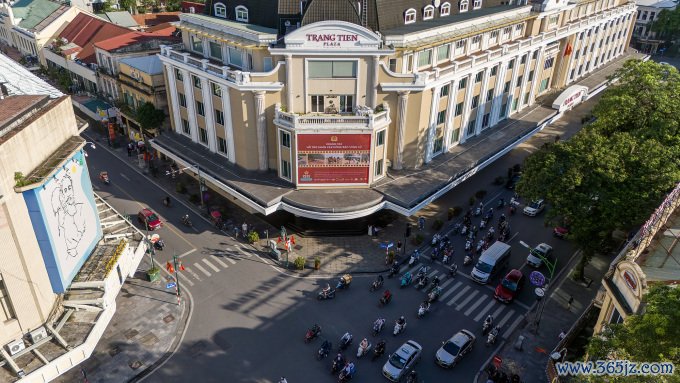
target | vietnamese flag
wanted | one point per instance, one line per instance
(568, 50)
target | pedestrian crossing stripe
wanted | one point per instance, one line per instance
(467, 300)
(460, 294)
(451, 290)
(217, 259)
(432, 274)
(193, 273)
(475, 305)
(186, 279)
(506, 317)
(498, 311)
(484, 310)
(446, 283)
(211, 265)
(230, 260)
(204, 271)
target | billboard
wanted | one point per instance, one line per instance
(333, 158)
(65, 221)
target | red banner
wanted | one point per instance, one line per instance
(333, 158)
(112, 132)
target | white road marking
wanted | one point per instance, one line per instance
(467, 300)
(498, 311)
(245, 252)
(204, 271)
(514, 324)
(484, 310)
(460, 294)
(506, 317)
(446, 283)
(186, 253)
(217, 259)
(186, 279)
(193, 273)
(230, 260)
(124, 176)
(451, 290)
(211, 265)
(474, 306)
(433, 274)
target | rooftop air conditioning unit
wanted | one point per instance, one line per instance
(15, 346)
(38, 334)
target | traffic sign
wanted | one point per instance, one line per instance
(386, 245)
(170, 285)
(497, 361)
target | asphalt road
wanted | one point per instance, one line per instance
(249, 318)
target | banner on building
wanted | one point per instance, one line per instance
(333, 158)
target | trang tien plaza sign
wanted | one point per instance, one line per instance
(332, 40)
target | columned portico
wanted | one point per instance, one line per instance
(401, 130)
(261, 131)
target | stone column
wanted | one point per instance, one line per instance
(172, 91)
(261, 131)
(401, 130)
(481, 108)
(432, 128)
(373, 91)
(538, 73)
(525, 80)
(450, 113)
(513, 81)
(228, 124)
(191, 104)
(465, 118)
(289, 84)
(498, 92)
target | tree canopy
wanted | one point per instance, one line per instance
(616, 170)
(648, 337)
(149, 117)
(667, 24)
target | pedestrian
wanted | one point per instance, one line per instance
(421, 223)
(571, 300)
(244, 228)
(235, 231)
(398, 246)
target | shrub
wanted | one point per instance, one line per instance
(457, 210)
(438, 224)
(500, 180)
(300, 262)
(317, 263)
(253, 236)
(180, 188)
(194, 198)
(418, 239)
(480, 194)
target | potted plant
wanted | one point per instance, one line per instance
(390, 257)
(300, 262)
(253, 237)
(154, 274)
(317, 263)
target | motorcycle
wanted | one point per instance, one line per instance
(464, 230)
(104, 177)
(324, 350)
(422, 281)
(312, 333)
(398, 328)
(361, 351)
(447, 258)
(453, 270)
(412, 377)
(346, 377)
(434, 294)
(482, 224)
(478, 212)
(491, 339)
(338, 363)
(385, 300)
(435, 239)
(467, 260)
(501, 204)
(376, 285)
(503, 236)
(412, 260)
(490, 234)
(346, 341)
(486, 326)
(344, 282)
(394, 270)
(479, 245)
(379, 350)
(326, 294)
(456, 228)
(186, 221)
(406, 280)
(166, 201)
(423, 309)
(435, 283)
(378, 326)
(512, 209)
(468, 245)
(159, 244)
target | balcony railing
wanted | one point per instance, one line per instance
(139, 85)
(367, 120)
(236, 76)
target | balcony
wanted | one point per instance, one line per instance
(364, 119)
(235, 76)
(139, 85)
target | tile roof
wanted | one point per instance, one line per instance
(33, 12)
(86, 30)
(12, 107)
(321, 10)
(131, 38)
(122, 18)
(152, 19)
(198, 7)
(146, 64)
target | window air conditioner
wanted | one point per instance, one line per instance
(15, 346)
(38, 334)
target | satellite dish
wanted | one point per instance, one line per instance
(436, 3)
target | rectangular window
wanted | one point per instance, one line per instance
(219, 117)
(425, 58)
(393, 65)
(332, 69)
(443, 52)
(504, 109)
(438, 144)
(475, 102)
(185, 127)
(378, 168)
(489, 95)
(476, 40)
(285, 169)
(221, 145)
(441, 117)
(526, 98)
(285, 139)
(267, 64)
(459, 109)
(549, 62)
(196, 44)
(506, 87)
(182, 99)
(200, 109)
(493, 37)
(471, 128)
(553, 19)
(202, 135)
(380, 138)
(535, 55)
(462, 83)
(531, 76)
(178, 75)
(409, 63)
(215, 50)
(478, 77)
(494, 70)
(460, 44)
(197, 81)
(511, 63)
(519, 80)
(514, 104)
(485, 120)
(235, 57)
(523, 60)
(506, 32)
(346, 104)
(616, 317)
(454, 136)
(544, 83)
(444, 91)
(317, 104)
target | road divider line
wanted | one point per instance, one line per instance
(484, 310)
(467, 300)
(506, 317)
(451, 290)
(460, 294)
(125, 177)
(216, 258)
(186, 253)
(475, 305)
(514, 324)
(204, 271)
(211, 265)
(185, 279)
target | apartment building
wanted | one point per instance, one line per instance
(648, 12)
(330, 95)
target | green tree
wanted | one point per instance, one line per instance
(173, 5)
(127, 5)
(651, 336)
(106, 7)
(667, 24)
(613, 173)
(149, 117)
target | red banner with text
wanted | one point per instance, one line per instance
(333, 158)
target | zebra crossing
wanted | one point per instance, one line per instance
(474, 303)
(198, 269)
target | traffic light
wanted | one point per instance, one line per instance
(408, 230)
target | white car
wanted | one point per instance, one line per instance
(541, 250)
(402, 361)
(455, 348)
(534, 208)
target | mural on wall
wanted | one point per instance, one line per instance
(65, 220)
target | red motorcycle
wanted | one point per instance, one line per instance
(312, 333)
(560, 232)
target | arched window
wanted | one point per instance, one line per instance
(428, 12)
(477, 4)
(410, 16)
(445, 9)
(463, 6)
(220, 10)
(242, 13)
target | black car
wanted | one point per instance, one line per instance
(512, 181)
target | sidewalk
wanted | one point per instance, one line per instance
(558, 316)
(146, 327)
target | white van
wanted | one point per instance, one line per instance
(492, 260)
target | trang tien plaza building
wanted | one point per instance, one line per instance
(334, 110)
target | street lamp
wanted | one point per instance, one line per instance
(540, 291)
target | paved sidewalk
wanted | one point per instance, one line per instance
(146, 327)
(558, 316)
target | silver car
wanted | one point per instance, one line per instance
(538, 253)
(534, 208)
(453, 349)
(402, 361)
